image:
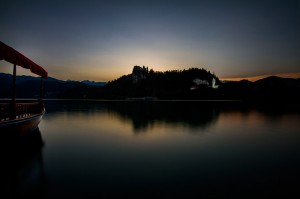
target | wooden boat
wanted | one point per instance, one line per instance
(20, 116)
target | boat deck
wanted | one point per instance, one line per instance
(9, 111)
(21, 116)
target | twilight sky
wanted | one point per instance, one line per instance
(101, 40)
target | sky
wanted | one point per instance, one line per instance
(101, 40)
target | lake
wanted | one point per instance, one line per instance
(158, 149)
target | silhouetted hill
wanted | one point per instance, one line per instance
(274, 81)
(175, 84)
(190, 84)
(268, 89)
(276, 88)
(29, 87)
(93, 83)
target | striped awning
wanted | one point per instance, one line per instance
(9, 54)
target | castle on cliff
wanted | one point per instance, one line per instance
(139, 73)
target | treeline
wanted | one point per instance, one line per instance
(173, 84)
(150, 84)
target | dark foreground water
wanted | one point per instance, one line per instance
(156, 150)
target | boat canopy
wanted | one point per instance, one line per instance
(9, 54)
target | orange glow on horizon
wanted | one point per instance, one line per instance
(255, 78)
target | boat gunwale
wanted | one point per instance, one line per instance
(20, 120)
(22, 111)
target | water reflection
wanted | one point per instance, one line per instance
(153, 150)
(195, 115)
(145, 115)
(21, 169)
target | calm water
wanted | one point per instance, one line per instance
(162, 150)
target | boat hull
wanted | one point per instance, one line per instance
(21, 125)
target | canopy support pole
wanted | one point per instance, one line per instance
(13, 104)
(14, 84)
(42, 89)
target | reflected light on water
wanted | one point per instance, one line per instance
(163, 149)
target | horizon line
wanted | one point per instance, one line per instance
(249, 78)
(258, 77)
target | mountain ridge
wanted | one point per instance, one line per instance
(161, 85)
